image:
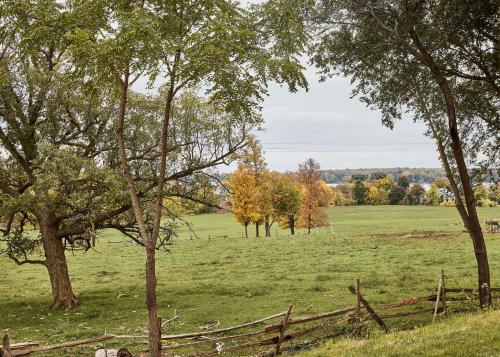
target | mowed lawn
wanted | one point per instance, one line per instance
(396, 252)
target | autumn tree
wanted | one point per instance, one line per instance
(244, 196)
(437, 61)
(287, 199)
(325, 194)
(311, 214)
(373, 196)
(253, 157)
(433, 197)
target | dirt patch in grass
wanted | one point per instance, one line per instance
(107, 275)
(416, 235)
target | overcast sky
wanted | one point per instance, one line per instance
(337, 131)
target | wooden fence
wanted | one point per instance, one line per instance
(281, 332)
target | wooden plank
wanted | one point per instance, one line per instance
(284, 325)
(267, 342)
(314, 328)
(410, 313)
(61, 345)
(372, 312)
(221, 339)
(468, 290)
(357, 300)
(204, 333)
(325, 315)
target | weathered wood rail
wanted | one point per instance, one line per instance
(273, 338)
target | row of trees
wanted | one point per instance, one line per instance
(262, 197)
(384, 191)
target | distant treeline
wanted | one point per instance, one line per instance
(414, 175)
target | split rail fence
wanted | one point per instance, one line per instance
(279, 333)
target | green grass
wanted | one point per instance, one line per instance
(466, 335)
(396, 251)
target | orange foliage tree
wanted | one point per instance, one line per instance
(311, 214)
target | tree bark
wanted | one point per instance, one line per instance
(246, 229)
(57, 267)
(267, 227)
(257, 230)
(291, 223)
(153, 327)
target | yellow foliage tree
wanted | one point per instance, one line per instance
(326, 194)
(373, 195)
(244, 196)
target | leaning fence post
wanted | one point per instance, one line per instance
(438, 295)
(443, 293)
(6, 352)
(284, 325)
(357, 311)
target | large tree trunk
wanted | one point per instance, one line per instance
(55, 261)
(257, 230)
(153, 320)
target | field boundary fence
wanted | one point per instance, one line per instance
(279, 333)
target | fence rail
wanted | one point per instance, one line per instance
(271, 338)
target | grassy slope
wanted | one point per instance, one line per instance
(468, 335)
(237, 280)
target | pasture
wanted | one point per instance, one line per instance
(396, 252)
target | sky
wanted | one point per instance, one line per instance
(337, 131)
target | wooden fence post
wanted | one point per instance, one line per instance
(370, 310)
(284, 325)
(438, 295)
(6, 352)
(443, 293)
(357, 311)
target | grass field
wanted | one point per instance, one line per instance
(461, 336)
(396, 251)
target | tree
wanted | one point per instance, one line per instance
(311, 215)
(359, 191)
(342, 195)
(396, 195)
(253, 157)
(480, 193)
(373, 196)
(436, 61)
(287, 198)
(325, 194)
(403, 182)
(56, 171)
(217, 45)
(244, 196)
(433, 197)
(416, 194)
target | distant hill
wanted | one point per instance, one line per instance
(415, 175)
